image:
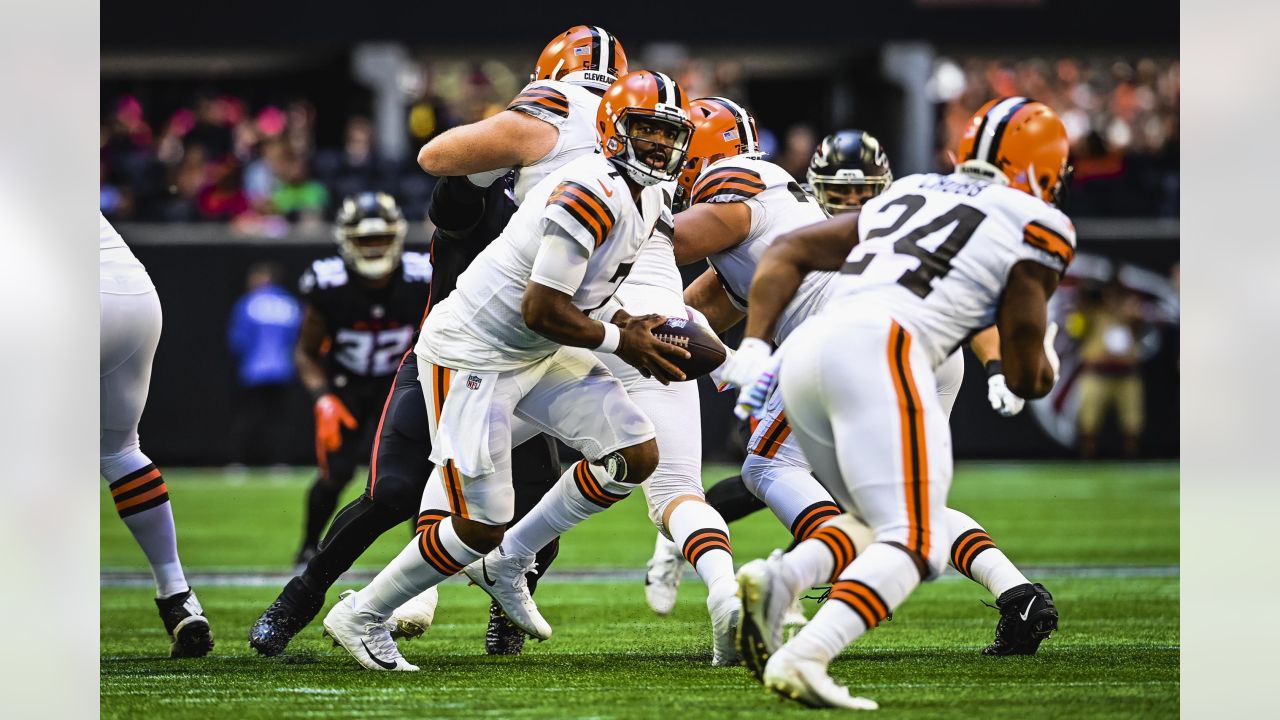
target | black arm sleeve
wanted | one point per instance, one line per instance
(453, 250)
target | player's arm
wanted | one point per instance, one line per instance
(707, 295)
(708, 228)
(306, 354)
(504, 140)
(821, 246)
(1022, 319)
(547, 308)
(986, 347)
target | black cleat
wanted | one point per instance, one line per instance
(295, 607)
(1027, 617)
(502, 637)
(186, 624)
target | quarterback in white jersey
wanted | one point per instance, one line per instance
(514, 340)
(923, 266)
(130, 330)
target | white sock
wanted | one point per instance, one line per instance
(142, 500)
(875, 584)
(431, 557)
(582, 491)
(792, 493)
(975, 555)
(435, 502)
(819, 560)
(703, 538)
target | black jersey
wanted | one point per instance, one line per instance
(453, 250)
(369, 329)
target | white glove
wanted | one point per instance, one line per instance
(488, 177)
(752, 399)
(1002, 398)
(1050, 334)
(753, 360)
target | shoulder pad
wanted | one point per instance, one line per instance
(325, 273)
(728, 183)
(417, 266)
(542, 101)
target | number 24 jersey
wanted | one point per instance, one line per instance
(936, 251)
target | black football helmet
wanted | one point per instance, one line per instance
(370, 231)
(848, 168)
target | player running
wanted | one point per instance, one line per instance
(129, 322)
(551, 122)
(362, 311)
(513, 342)
(859, 381)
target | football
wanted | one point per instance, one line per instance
(706, 350)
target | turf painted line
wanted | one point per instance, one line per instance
(239, 578)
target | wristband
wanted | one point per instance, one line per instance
(994, 367)
(612, 336)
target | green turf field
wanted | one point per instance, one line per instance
(1103, 538)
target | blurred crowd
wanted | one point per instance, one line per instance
(1121, 115)
(258, 165)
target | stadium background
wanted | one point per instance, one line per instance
(190, 106)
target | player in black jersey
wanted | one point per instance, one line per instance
(467, 218)
(362, 312)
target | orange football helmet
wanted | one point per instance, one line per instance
(721, 128)
(654, 99)
(585, 55)
(1021, 143)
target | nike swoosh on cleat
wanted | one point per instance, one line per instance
(383, 663)
(484, 570)
(1027, 612)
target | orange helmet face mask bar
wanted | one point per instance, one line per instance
(586, 55)
(1018, 142)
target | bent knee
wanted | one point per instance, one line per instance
(478, 536)
(641, 459)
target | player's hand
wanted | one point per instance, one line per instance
(1050, 334)
(1002, 398)
(752, 398)
(643, 350)
(331, 416)
(753, 369)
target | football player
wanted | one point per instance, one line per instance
(509, 354)
(362, 308)
(775, 469)
(859, 381)
(129, 321)
(552, 121)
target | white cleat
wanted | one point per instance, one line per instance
(365, 637)
(412, 619)
(807, 681)
(662, 579)
(765, 599)
(503, 577)
(793, 620)
(726, 611)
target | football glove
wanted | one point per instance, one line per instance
(753, 368)
(1050, 334)
(1002, 398)
(331, 416)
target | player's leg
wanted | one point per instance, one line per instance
(576, 399)
(893, 445)
(336, 468)
(130, 331)
(477, 483)
(731, 498)
(399, 468)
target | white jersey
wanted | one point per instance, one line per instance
(572, 110)
(778, 205)
(654, 284)
(936, 251)
(120, 273)
(480, 324)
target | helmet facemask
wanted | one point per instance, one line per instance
(630, 150)
(834, 192)
(374, 247)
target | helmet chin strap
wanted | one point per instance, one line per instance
(1031, 181)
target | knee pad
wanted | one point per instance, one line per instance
(121, 462)
(858, 531)
(398, 494)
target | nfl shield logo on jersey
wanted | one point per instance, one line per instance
(473, 381)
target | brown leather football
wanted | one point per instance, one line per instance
(705, 349)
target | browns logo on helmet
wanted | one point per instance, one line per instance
(1021, 143)
(586, 55)
(721, 128)
(644, 126)
(849, 168)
